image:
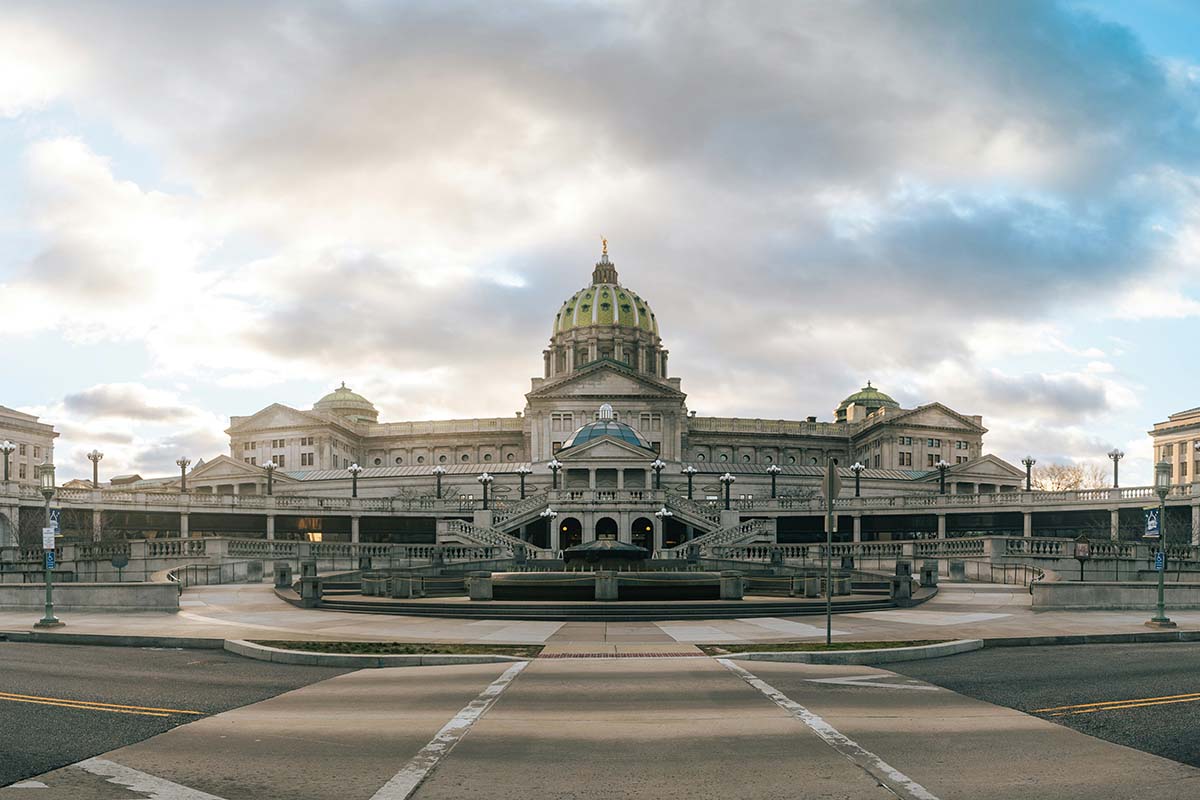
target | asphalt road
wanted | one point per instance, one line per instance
(1145, 696)
(63, 703)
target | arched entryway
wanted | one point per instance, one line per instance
(570, 533)
(641, 533)
(606, 528)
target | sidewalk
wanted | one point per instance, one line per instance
(253, 612)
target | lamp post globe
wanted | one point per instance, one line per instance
(183, 463)
(1029, 461)
(95, 457)
(857, 468)
(355, 470)
(524, 472)
(942, 466)
(270, 467)
(727, 480)
(690, 471)
(7, 448)
(774, 471)
(555, 465)
(486, 480)
(658, 465)
(1116, 455)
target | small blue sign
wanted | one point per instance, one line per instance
(1151, 523)
(49, 559)
(1160, 561)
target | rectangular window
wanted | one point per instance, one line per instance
(20, 470)
(1183, 469)
(279, 461)
(247, 460)
(960, 460)
(37, 451)
(931, 458)
(562, 421)
(877, 461)
(656, 446)
(22, 451)
(649, 421)
(254, 460)
(906, 459)
(554, 448)
(1167, 451)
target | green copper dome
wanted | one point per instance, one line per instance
(869, 397)
(605, 303)
(345, 403)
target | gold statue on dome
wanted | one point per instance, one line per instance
(604, 242)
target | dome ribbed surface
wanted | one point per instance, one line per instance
(606, 427)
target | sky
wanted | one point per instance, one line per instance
(209, 207)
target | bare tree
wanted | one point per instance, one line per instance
(1064, 477)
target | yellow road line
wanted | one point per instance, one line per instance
(83, 708)
(95, 705)
(1192, 695)
(1127, 705)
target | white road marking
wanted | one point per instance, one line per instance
(405, 782)
(697, 633)
(890, 777)
(29, 785)
(799, 629)
(153, 787)
(874, 681)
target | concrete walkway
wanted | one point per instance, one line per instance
(689, 728)
(253, 612)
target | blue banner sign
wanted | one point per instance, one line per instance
(1152, 523)
(49, 559)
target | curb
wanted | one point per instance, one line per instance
(280, 656)
(1147, 637)
(112, 640)
(889, 655)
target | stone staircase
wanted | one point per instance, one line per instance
(698, 515)
(742, 533)
(490, 537)
(520, 513)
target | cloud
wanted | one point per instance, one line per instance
(125, 401)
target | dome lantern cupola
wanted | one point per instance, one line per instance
(868, 398)
(343, 402)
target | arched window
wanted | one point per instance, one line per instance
(745, 459)
(399, 459)
(465, 458)
(699, 456)
(378, 461)
(724, 456)
(441, 459)
(420, 459)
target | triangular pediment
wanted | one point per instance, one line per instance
(988, 466)
(934, 415)
(225, 467)
(605, 379)
(276, 416)
(605, 448)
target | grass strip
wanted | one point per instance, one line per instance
(404, 648)
(790, 647)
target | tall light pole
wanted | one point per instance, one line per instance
(1116, 456)
(727, 480)
(942, 466)
(690, 471)
(270, 468)
(774, 471)
(486, 480)
(183, 464)
(355, 470)
(95, 457)
(663, 515)
(1029, 461)
(555, 465)
(7, 448)
(523, 471)
(549, 514)
(857, 468)
(1162, 487)
(658, 465)
(46, 484)
(438, 472)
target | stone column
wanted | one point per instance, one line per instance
(270, 527)
(620, 478)
(97, 524)
(1114, 524)
(591, 478)
(941, 522)
(1028, 523)
(658, 535)
(857, 528)
(183, 526)
(1196, 523)
(354, 530)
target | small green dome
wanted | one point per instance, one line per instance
(605, 303)
(345, 403)
(869, 397)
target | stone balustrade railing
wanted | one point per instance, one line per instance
(734, 534)
(490, 537)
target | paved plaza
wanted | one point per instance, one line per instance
(254, 612)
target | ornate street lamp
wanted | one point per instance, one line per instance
(270, 467)
(555, 465)
(727, 480)
(549, 514)
(857, 468)
(942, 466)
(95, 457)
(438, 472)
(486, 480)
(658, 465)
(7, 448)
(774, 471)
(183, 464)
(523, 471)
(663, 515)
(1029, 461)
(45, 473)
(1116, 456)
(355, 470)
(690, 471)
(1162, 487)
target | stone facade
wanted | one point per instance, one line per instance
(1177, 441)
(34, 444)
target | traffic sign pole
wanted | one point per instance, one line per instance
(832, 486)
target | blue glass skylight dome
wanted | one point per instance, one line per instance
(606, 426)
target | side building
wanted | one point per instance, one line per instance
(29, 443)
